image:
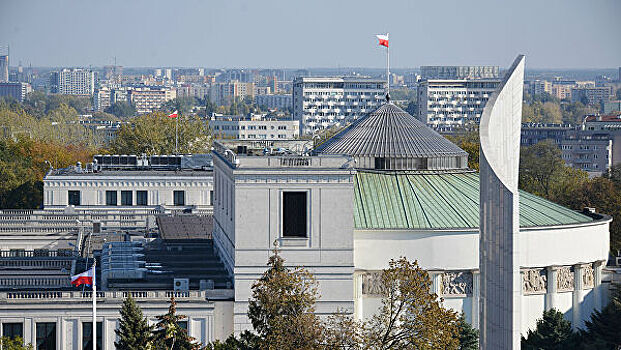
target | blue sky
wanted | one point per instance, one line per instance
(318, 33)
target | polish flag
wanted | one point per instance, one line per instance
(383, 39)
(173, 115)
(85, 277)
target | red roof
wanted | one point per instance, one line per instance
(616, 117)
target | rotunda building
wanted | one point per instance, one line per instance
(415, 197)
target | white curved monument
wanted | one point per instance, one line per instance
(499, 211)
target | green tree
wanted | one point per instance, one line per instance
(553, 332)
(411, 317)
(539, 166)
(183, 105)
(169, 335)
(282, 307)
(134, 332)
(154, 133)
(603, 329)
(469, 142)
(122, 110)
(468, 335)
(7, 343)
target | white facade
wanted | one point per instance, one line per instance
(319, 103)
(207, 320)
(499, 212)
(148, 100)
(249, 218)
(73, 82)
(460, 72)
(446, 104)
(281, 102)
(254, 128)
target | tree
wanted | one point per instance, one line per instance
(154, 133)
(134, 332)
(468, 335)
(553, 332)
(17, 343)
(411, 317)
(602, 330)
(183, 105)
(169, 334)
(282, 307)
(469, 142)
(539, 164)
(122, 109)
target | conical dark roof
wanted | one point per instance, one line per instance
(389, 132)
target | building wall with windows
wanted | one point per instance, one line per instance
(302, 205)
(460, 72)
(254, 129)
(18, 91)
(447, 104)
(73, 82)
(319, 103)
(147, 100)
(591, 95)
(281, 102)
(36, 318)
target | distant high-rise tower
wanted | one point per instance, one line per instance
(499, 245)
(73, 82)
(4, 64)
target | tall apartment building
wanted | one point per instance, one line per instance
(446, 104)
(538, 87)
(280, 102)
(319, 103)
(193, 90)
(4, 67)
(591, 95)
(16, 90)
(460, 72)
(561, 91)
(101, 99)
(149, 99)
(224, 93)
(73, 82)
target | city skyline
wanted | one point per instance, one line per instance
(281, 34)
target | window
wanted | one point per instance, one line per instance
(13, 330)
(211, 197)
(46, 336)
(294, 214)
(126, 198)
(183, 325)
(141, 197)
(178, 197)
(74, 197)
(87, 335)
(111, 198)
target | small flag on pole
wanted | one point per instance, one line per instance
(383, 39)
(85, 277)
(173, 115)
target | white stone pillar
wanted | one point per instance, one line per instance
(552, 288)
(577, 298)
(476, 297)
(597, 284)
(358, 311)
(436, 282)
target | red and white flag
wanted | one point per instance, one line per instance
(85, 277)
(383, 39)
(173, 115)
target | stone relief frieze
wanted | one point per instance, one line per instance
(534, 281)
(456, 283)
(565, 279)
(588, 276)
(372, 283)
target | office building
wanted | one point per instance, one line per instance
(225, 93)
(459, 72)
(591, 95)
(149, 99)
(254, 128)
(319, 103)
(18, 91)
(4, 66)
(448, 104)
(73, 82)
(280, 102)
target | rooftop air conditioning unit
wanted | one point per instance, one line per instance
(181, 284)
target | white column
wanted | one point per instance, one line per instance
(552, 288)
(436, 282)
(476, 294)
(577, 297)
(597, 284)
(358, 311)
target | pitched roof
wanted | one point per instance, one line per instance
(389, 132)
(434, 200)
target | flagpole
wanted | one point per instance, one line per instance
(388, 67)
(94, 328)
(176, 133)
